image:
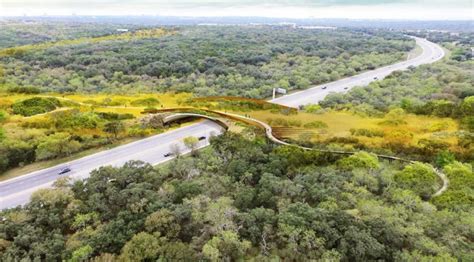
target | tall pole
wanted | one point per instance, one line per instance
(274, 91)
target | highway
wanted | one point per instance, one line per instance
(431, 53)
(17, 191)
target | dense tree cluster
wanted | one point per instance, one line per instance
(245, 61)
(244, 199)
(444, 89)
(461, 42)
(435, 89)
(439, 89)
(17, 33)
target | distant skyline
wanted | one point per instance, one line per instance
(352, 9)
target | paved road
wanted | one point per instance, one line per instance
(431, 53)
(17, 191)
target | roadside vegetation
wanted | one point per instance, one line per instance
(245, 199)
(51, 126)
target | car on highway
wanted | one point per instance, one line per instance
(202, 138)
(375, 78)
(324, 87)
(167, 154)
(64, 170)
(345, 88)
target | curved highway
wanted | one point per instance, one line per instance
(431, 53)
(17, 191)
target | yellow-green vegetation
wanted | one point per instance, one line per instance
(460, 191)
(346, 124)
(48, 127)
(133, 104)
(128, 36)
(22, 170)
(396, 131)
(418, 177)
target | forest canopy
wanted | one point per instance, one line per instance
(241, 200)
(224, 60)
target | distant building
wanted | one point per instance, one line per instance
(292, 25)
(122, 30)
(317, 27)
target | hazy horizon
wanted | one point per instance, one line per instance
(350, 9)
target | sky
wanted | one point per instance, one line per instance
(351, 9)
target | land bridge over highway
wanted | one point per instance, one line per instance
(269, 134)
(178, 116)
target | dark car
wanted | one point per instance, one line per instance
(64, 171)
(346, 88)
(202, 138)
(324, 87)
(167, 155)
(376, 78)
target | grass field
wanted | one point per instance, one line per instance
(340, 123)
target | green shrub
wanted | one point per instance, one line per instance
(3, 116)
(418, 177)
(277, 122)
(359, 160)
(24, 90)
(148, 102)
(35, 105)
(316, 124)
(294, 122)
(75, 119)
(313, 108)
(114, 116)
(367, 132)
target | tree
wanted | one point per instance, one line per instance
(175, 150)
(56, 145)
(164, 222)
(418, 177)
(226, 247)
(359, 160)
(3, 116)
(82, 253)
(467, 106)
(142, 247)
(191, 143)
(444, 157)
(153, 121)
(114, 127)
